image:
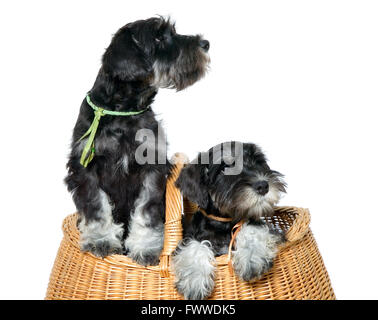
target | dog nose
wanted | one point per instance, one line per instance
(262, 187)
(205, 45)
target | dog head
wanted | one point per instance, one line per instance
(151, 51)
(234, 178)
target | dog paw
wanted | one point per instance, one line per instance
(194, 269)
(277, 237)
(253, 270)
(256, 248)
(102, 248)
(144, 244)
(144, 259)
(144, 253)
(193, 290)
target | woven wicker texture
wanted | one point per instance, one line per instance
(298, 272)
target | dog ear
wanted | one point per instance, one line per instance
(192, 183)
(124, 59)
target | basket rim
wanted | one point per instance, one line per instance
(71, 233)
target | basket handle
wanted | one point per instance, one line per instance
(173, 214)
(299, 227)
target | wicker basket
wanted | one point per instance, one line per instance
(298, 272)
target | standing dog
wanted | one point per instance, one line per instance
(121, 201)
(230, 186)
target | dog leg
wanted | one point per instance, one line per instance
(256, 248)
(194, 269)
(146, 229)
(98, 232)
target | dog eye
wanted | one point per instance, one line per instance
(164, 37)
(161, 38)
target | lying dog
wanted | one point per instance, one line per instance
(120, 200)
(230, 183)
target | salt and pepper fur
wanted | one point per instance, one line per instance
(236, 196)
(145, 240)
(255, 249)
(194, 269)
(101, 235)
(120, 200)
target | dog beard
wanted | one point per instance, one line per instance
(190, 66)
(242, 202)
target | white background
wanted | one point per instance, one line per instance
(297, 77)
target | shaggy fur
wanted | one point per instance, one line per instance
(120, 201)
(248, 194)
(195, 267)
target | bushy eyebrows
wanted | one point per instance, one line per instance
(167, 25)
(173, 27)
(258, 164)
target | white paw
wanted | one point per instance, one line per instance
(101, 248)
(102, 238)
(144, 244)
(194, 268)
(256, 248)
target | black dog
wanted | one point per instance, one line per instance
(234, 181)
(121, 200)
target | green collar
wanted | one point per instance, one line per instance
(89, 149)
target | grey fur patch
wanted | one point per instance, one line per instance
(145, 242)
(256, 248)
(78, 147)
(194, 269)
(258, 205)
(125, 163)
(102, 236)
(180, 74)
